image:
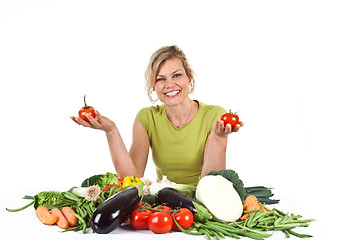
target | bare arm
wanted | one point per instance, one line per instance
(215, 147)
(125, 163)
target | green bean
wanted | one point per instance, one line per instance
(77, 228)
(82, 221)
(224, 225)
(81, 212)
(202, 230)
(279, 212)
(215, 234)
(250, 222)
(187, 231)
(258, 216)
(22, 208)
(301, 221)
(285, 219)
(111, 191)
(87, 207)
(277, 221)
(289, 226)
(286, 233)
(251, 211)
(218, 229)
(299, 235)
(71, 196)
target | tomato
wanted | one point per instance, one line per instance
(160, 222)
(86, 110)
(140, 204)
(230, 118)
(162, 208)
(107, 187)
(139, 219)
(184, 218)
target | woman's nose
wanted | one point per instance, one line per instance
(169, 82)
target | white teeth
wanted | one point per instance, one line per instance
(172, 93)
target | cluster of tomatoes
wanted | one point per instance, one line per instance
(160, 219)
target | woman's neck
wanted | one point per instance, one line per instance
(181, 115)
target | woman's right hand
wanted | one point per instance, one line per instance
(99, 122)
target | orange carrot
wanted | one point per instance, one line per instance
(72, 220)
(249, 200)
(251, 203)
(44, 216)
(61, 220)
(245, 216)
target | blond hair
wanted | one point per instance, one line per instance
(161, 55)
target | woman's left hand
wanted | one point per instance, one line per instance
(221, 130)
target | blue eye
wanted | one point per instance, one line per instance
(177, 75)
(160, 79)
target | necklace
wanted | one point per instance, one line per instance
(186, 121)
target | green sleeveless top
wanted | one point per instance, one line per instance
(178, 153)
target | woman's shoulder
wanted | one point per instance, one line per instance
(207, 108)
(150, 111)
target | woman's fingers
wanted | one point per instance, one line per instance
(80, 121)
(73, 118)
(228, 128)
(93, 122)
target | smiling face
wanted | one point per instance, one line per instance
(172, 83)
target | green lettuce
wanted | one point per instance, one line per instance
(107, 179)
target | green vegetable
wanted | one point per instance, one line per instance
(107, 179)
(262, 193)
(233, 177)
(102, 180)
(256, 226)
(91, 180)
(49, 199)
(202, 214)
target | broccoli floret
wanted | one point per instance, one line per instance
(233, 177)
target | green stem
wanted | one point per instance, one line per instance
(22, 208)
(85, 107)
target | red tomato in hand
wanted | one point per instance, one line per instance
(160, 222)
(139, 219)
(184, 218)
(230, 118)
(86, 110)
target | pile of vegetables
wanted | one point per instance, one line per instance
(219, 206)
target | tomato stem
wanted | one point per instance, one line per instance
(85, 107)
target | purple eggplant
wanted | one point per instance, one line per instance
(110, 214)
(174, 198)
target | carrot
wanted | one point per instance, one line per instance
(61, 220)
(72, 220)
(44, 216)
(251, 203)
(250, 199)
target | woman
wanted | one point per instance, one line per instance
(187, 138)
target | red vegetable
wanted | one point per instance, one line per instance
(184, 218)
(160, 222)
(230, 118)
(86, 110)
(107, 187)
(162, 208)
(139, 219)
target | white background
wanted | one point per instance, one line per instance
(289, 68)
